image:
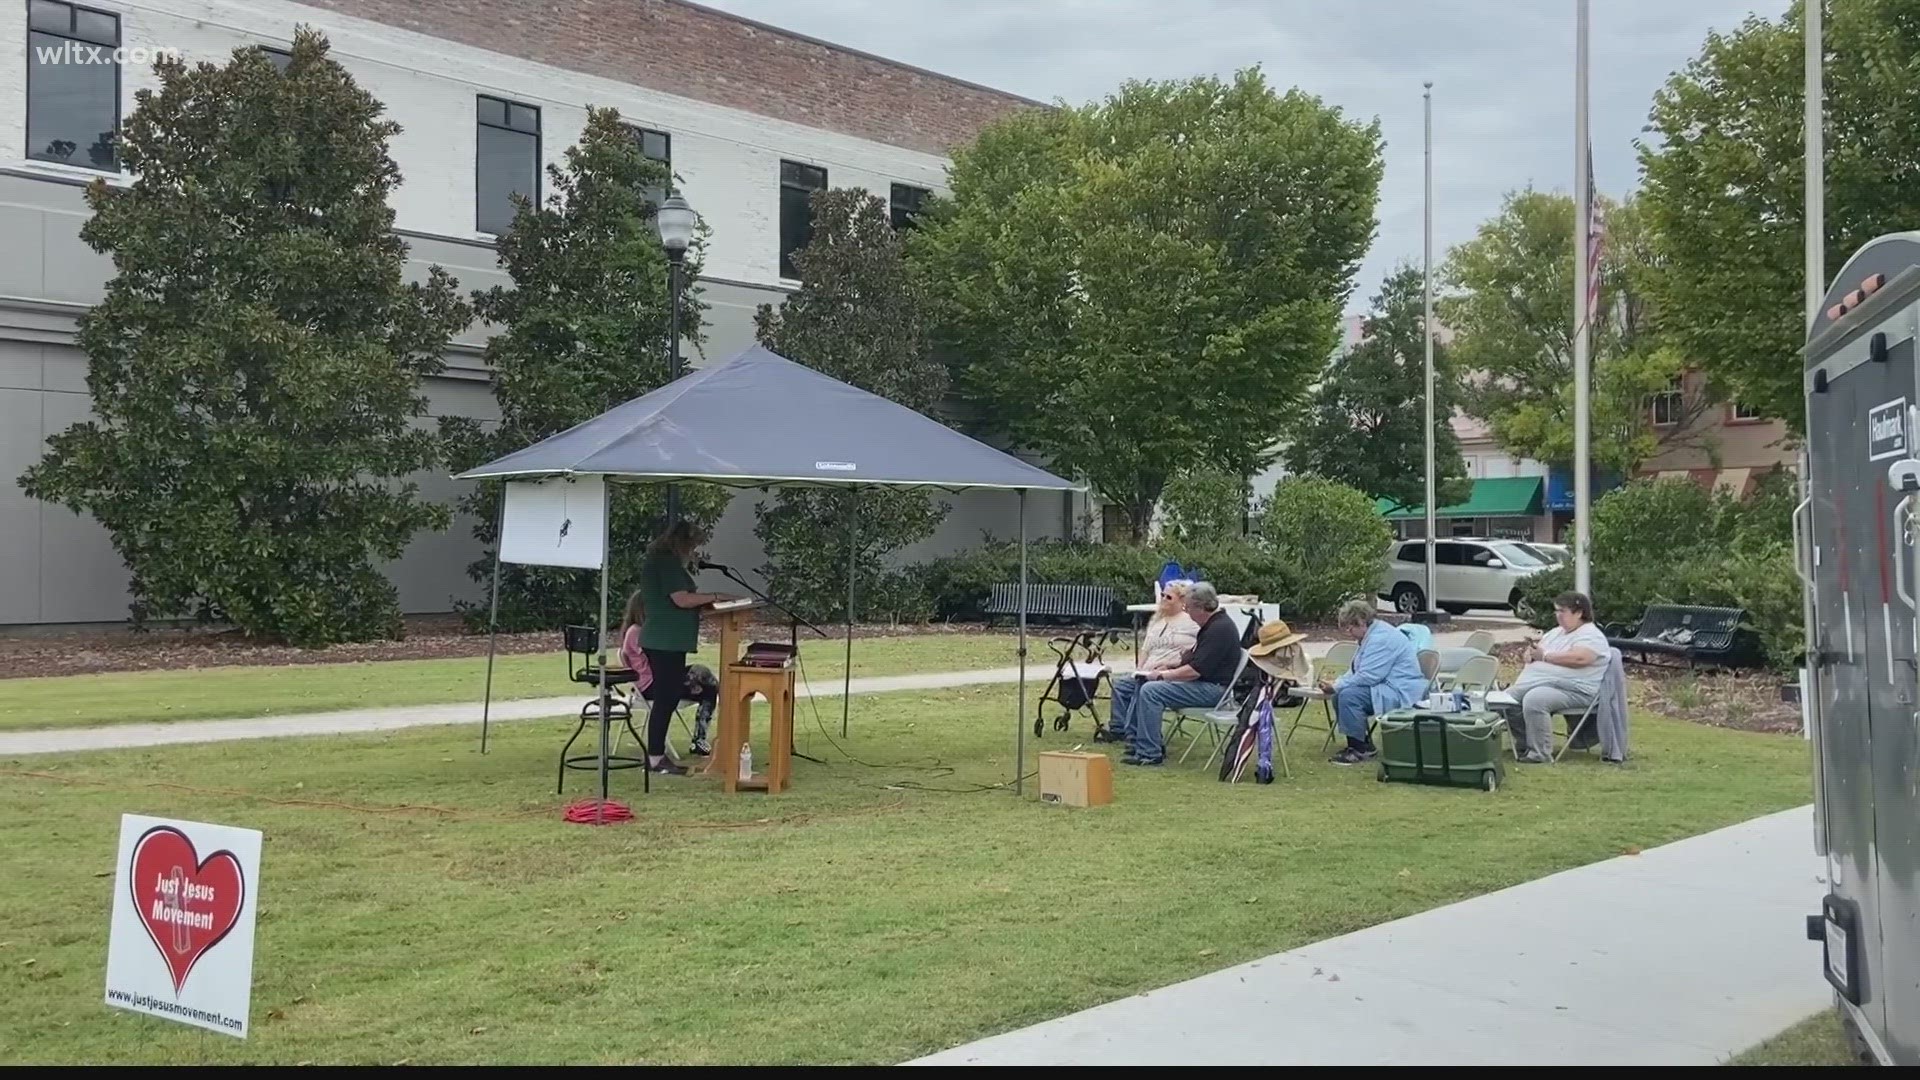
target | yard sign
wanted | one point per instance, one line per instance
(181, 944)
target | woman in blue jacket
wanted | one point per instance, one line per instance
(1385, 676)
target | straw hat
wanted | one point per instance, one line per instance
(1274, 636)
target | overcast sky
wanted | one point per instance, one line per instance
(1502, 73)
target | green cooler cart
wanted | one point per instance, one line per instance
(1458, 749)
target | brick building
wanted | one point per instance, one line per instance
(488, 92)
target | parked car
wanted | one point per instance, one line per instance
(1553, 553)
(1469, 572)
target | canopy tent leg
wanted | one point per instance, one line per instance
(846, 677)
(606, 698)
(1020, 714)
(493, 617)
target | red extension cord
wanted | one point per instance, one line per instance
(595, 812)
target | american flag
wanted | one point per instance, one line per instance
(1596, 243)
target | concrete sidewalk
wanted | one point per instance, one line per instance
(1683, 955)
(356, 721)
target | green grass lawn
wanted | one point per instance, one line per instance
(217, 693)
(1818, 1041)
(420, 902)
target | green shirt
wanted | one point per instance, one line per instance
(668, 627)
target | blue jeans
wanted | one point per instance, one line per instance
(1145, 740)
(1120, 714)
(1352, 705)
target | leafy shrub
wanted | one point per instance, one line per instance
(1329, 541)
(1203, 506)
(958, 586)
(1537, 593)
(805, 532)
(1673, 542)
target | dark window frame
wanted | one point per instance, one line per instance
(279, 57)
(903, 217)
(640, 142)
(72, 34)
(506, 123)
(788, 272)
(1672, 401)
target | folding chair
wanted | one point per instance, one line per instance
(1430, 668)
(1592, 713)
(1476, 675)
(1224, 714)
(1481, 640)
(1338, 659)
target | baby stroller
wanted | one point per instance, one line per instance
(1078, 677)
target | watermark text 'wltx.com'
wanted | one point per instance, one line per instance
(79, 52)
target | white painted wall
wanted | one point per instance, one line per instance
(728, 160)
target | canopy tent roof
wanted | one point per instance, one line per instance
(1503, 496)
(761, 420)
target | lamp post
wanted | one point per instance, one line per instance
(675, 219)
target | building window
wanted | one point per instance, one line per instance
(1741, 413)
(73, 85)
(907, 201)
(797, 184)
(1667, 406)
(281, 59)
(656, 146)
(507, 161)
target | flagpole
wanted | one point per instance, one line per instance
(1816, 161)
(1582, 329)
(1816, 244)
(1426, 331)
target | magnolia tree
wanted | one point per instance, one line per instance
(256, 363)
(858, 316)
(583, 328)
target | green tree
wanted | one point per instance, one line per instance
(256, 363)
(1149, 283)
(1363, 426)
(1725, 184)
(1511, 310)
(860, 317)
(1329, 541)
(1204, 506)
(582, 329)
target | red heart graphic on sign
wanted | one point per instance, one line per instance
(187, 904)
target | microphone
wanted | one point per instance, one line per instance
(706, 565)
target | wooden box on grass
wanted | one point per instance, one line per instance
(1072, 779)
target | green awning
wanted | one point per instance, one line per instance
(1506, 496)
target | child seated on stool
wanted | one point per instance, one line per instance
(702, 686)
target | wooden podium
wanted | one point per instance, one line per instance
(739, 683)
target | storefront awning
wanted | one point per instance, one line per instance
(1506, 496)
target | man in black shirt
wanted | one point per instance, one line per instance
(1198, 683)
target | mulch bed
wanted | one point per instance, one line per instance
(99, 650)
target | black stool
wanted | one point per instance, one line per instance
(583, 649)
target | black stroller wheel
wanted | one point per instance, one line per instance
(1039, 727)
(1060, 722)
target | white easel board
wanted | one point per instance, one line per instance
(560, 522)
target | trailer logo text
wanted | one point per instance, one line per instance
(1887, 430)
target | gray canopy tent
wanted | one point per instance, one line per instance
(761, 420)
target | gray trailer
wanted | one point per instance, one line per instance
(1855, 531)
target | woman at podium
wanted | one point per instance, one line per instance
(671, 629)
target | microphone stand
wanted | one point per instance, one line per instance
(794, 622)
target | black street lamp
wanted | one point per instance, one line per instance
(676, 221)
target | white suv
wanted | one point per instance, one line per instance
(1468, 573)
